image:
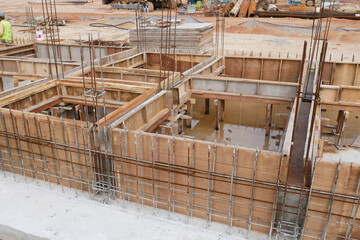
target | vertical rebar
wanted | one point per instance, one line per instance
(232, 186)
(352, 219)
(18, 143)
(252, 193)
(41, 138)
(78, 155)
(309, 198)
(4, 129)
(57, 153)
(331, 200)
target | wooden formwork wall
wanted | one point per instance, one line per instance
(33, 67)
(341, 212)
(135, 60)
(147, 115)
(73, 52)
(18, 50)
(339, 73)
(349, 95)
(272, 69)
(196, 178)
(183, 62)
(46, 148)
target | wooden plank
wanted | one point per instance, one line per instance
(31, 91)
(127, 107)
(43, 105)
(240, 97)
(154, 122)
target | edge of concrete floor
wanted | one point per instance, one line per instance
(9, 233)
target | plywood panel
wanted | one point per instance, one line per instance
(340, 208)
(344, 74)
(252, 68)
(270, 69)
(184, 180)
(290, 71)
(327, 72)
(45, 159)
(234, 67)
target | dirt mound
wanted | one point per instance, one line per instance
(346, 36)
(258, 30)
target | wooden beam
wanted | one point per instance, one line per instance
(346, 106)
(109, 80)
(107, 86)
(88, 101)
(241, 97)
(155, 121)
(44, 105)
(115, 115)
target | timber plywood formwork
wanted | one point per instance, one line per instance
(341, 73)
(200, 179)
(48, 132)
(26, 50)
(33, 67)
(116, 94)
(134, 76)
(72, 52)
(133, 61)
(53, 148)
(340, 97)
(174, 62)
(271, 69)
(148, 115)
(46, 148)
(334, 216)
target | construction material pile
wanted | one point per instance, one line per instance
(293, 8)
(194, 38)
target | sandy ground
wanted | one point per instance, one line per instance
(238, 40)
(50, 212)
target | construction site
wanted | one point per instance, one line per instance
(171, 124)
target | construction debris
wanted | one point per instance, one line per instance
(266, 8)
(234, 12)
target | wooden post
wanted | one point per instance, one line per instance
(207, 105)
(217, 114)
(268, 118)
(343, 125)
(324, 121)
(83, 113)
(181, 125)
(16, 83)
(1, 84)
(162, 130)
(340, 120)
(189, 113)
(175, 129)
(222, 109)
